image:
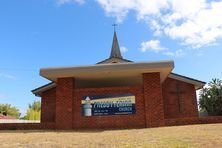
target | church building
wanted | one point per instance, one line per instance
(116, 93)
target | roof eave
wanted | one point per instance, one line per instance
(197, 83)
(89, 71)
(38, 91)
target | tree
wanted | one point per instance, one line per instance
(211, 98)
(7, 109)
(36, 106)
(34, 111)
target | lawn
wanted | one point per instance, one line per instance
(178, 136)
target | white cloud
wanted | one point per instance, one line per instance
(117, 8)
(195, 23)
(61, 2)
(177, 53)
(120, 8)
(7, 76)
(152, 45)
(199, 27)
(123, 49)
(155, 46)
(156, 27)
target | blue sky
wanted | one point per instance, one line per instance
(47, 33)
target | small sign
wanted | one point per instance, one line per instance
(104, 105)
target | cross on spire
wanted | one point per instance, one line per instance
(115, 55)
(114, 26)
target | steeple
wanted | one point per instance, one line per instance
(115, 51)
(115, 55)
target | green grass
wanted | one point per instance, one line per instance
(178, 136)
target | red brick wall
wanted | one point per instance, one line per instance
(154, 108)
(26, 126)
(113, 121)
(151, 107)
(48, 106)
(193, 120)
(188, 97)
(64, 103)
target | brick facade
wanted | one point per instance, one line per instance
(172, 104)
(156, 105)
(154, 108)
(193, 120)
(64, 103)
(48, 105)
(114, 121)
(27, 126)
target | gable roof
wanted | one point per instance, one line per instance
(197, 83)
(38, 91)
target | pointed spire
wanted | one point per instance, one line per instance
(115, 51)
(115, 55)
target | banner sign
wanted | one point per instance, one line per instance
(102, 105)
